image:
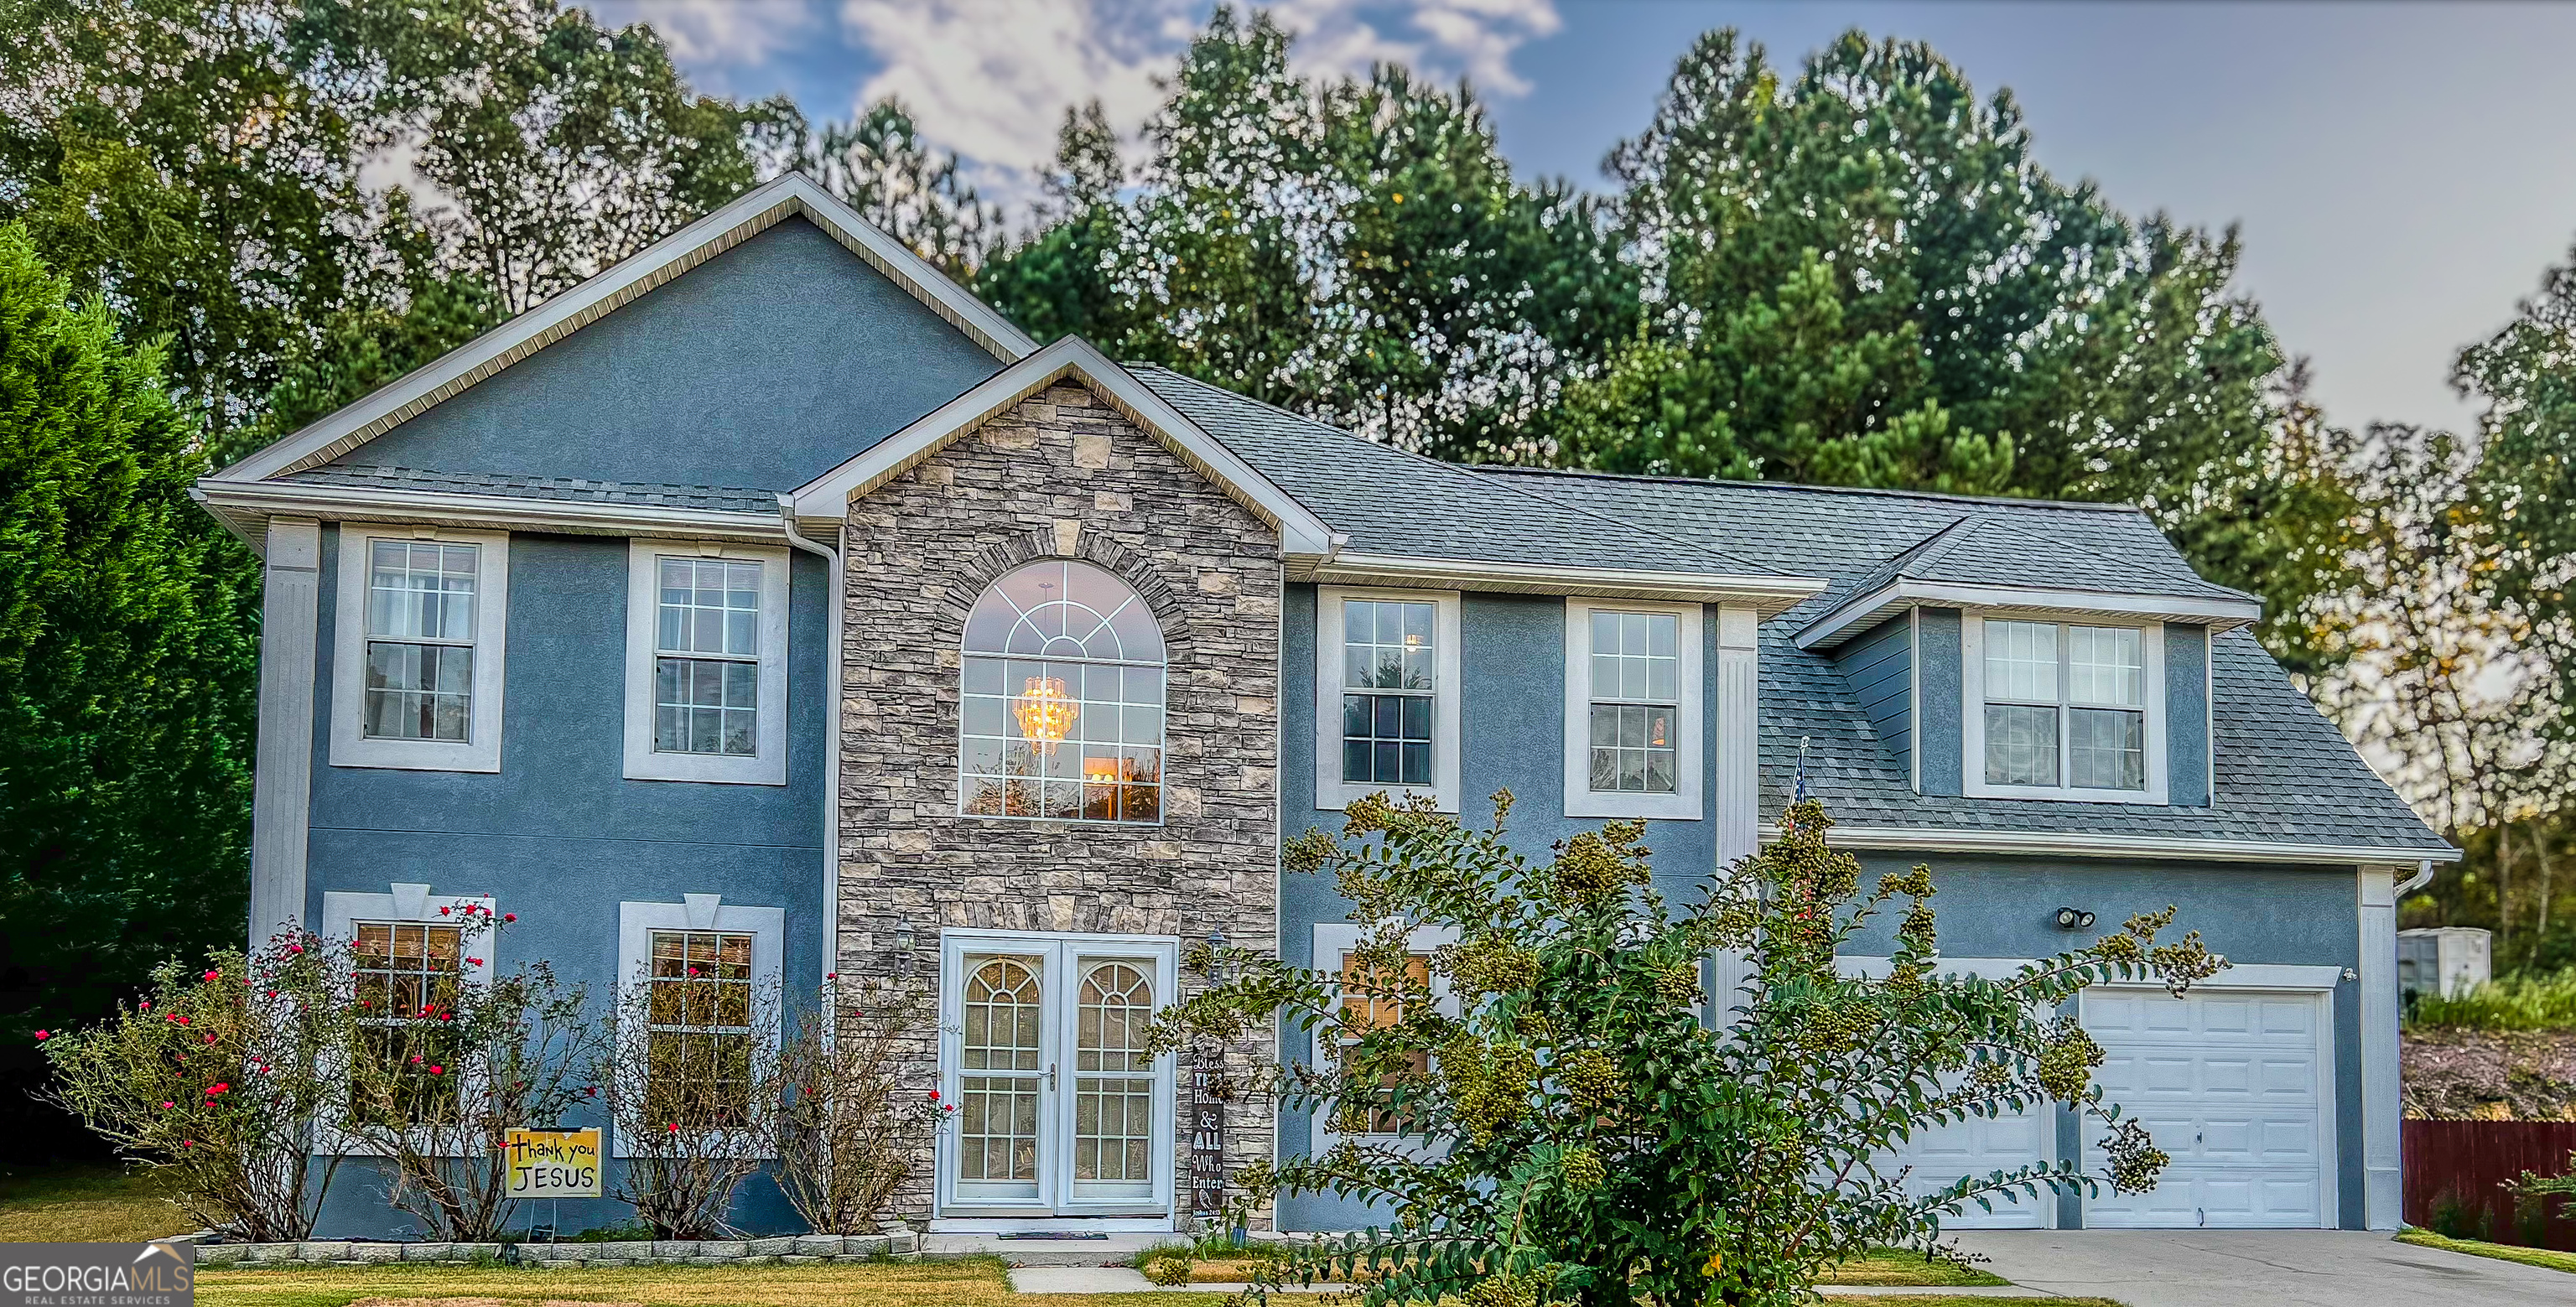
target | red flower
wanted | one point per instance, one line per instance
(147, 1005)
(165, 1105)
(185, 1143)
(509, 916)
(212, 974)
(831, 975)
(42, 1036)
(934, 1095)
(294, 948)
(415, 1061)
(273, 993)
(438, 1070)
(442, 912)
(183, 1021)
(474, 962)
(210, 1038)
(675, 1127)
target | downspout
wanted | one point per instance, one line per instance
(831, 964)
(2423, 874)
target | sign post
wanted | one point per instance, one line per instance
(552, 1164)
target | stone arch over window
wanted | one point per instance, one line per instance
(1061, 705)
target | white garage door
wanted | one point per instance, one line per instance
(1978, 1146)
(2231, 1085)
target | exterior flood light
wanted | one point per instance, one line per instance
(2074, 919)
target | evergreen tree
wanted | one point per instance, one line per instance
(128, 667)
(879, 164)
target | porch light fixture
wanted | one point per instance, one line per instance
(2074, 919)
(903, 946)
(1044, 711)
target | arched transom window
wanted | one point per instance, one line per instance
(1062, 713)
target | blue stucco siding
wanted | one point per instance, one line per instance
(1941, 682)
(2253, 914)
(559, 836)
(1879, 667)
(1511, 736)
(2186, 715)
(763, 367)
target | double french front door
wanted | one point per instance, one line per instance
(1060, 1110)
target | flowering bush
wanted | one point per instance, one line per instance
(844, 1133)
(693, 1091)
(217, 1080)
(1571, 1125)
(439, 1069)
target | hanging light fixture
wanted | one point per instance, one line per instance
(1044, 711)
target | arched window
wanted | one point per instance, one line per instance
(1062, 712)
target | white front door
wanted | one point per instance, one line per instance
(2232, 1085)
(1060, 1112)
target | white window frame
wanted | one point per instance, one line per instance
(643, 625)
(1972, 723)
(1058, 997)
(407, 905)
(1334, 943)
(1690, 757)
(480, 751)
(1331, 791)
(703, 913)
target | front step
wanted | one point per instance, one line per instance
(1046, 1250)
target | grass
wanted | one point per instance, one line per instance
(2526, 1002)
(976, 1283)
(1906, 1266)
(97, 1202)
(2556, 1261)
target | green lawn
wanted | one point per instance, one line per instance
(2555, 1261)
(1904, 1266)
(101, 1203)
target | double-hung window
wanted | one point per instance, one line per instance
(706, 663)
(2065, 710)
(407, 977)
(1386, 678)
(1632, 709)
(416, 676)
(699, 1024)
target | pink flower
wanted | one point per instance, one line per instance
(294, 948)
(147, 1005)
(415, 1061)
(212, 974)
(187, 1143)
(693, 971)
(438, 1070)
(42, 1036)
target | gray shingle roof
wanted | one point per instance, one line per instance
(2284, 773)
(1392, 502)
(720, 499)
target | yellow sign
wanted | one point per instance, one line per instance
(553, 1163)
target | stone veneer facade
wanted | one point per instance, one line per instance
(1060, 474)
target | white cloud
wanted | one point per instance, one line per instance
(716, 32)
(991, 79)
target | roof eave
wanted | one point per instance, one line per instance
(2063, 844)
(1767, 595)
(246, 507)
(1856, 615)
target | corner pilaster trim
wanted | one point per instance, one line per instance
(2382, 1169)
(1738, 782)
(282, 777)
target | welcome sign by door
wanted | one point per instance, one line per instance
(1208, 1091)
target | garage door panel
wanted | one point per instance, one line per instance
(2229, 1086)
(1981, 1146)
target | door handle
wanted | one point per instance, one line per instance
(1050, 1075)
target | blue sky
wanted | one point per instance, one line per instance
(2403, 173)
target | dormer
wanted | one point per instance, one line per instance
(1995, 662)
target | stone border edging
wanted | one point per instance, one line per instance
(781, 1250)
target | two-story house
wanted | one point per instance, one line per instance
(768, 602)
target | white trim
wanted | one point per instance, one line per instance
(1765, 594)
(1331, 791)
(1581, 800)
(2382, 1163)
(1739, 735)
(2072, 844)
(643, 610)
(402, 903)
(1972, 718)
(1870, 967)
(1914, 699)
(636, 922)
(1858, 614)
(828, 496)
(755, 211)
(2252, 975)
(830, 963)
(282, 775)
(244, 506)
(480, 751)
(1334, 941)
(1059, 952)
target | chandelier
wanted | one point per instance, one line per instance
(1045, 713)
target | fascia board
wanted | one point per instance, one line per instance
(827, 497)
(2054, 843)
(1860, 612)
(1766, 594)
(657, 264)
(241, 505)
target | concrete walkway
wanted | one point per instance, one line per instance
(2259, 1268)
(1121, 1279)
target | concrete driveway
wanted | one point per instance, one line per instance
(2260, 1268)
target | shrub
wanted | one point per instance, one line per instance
(218, 1081)
(2529, 1002)
(693, 1092)
(437, 1076)
(1169, 1267)
(1579, 1132)
(844, 1133)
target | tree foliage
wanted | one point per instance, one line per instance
(1572, 1127)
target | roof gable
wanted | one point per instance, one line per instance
(745, 220)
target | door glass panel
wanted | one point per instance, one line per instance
(1000, 1077)
(1113, 1108)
